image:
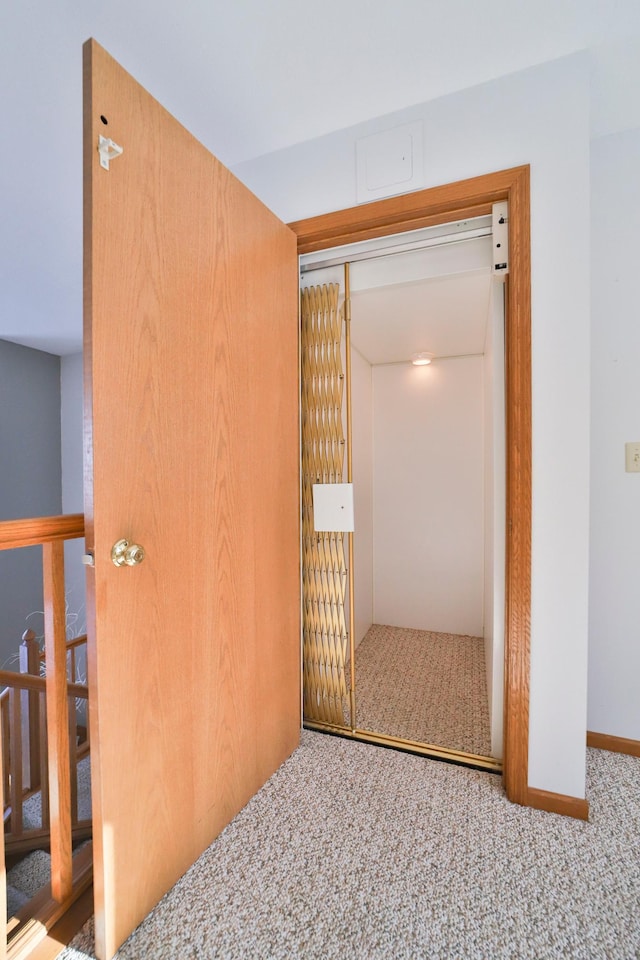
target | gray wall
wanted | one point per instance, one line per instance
(72, 490)
(30, 479)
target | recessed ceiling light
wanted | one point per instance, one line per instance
(421, 359)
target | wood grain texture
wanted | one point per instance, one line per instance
(604, 741)
(191, 346)
(518, 491)
(57, 707)
(44, 762)
(443, 204)
(557, 803)
(25, 681)
(27, 533)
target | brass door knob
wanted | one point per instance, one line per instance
(125, 554)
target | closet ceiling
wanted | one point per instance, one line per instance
(248, 78)
(446, 316)
(434, 300)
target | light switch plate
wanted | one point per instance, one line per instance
(333, 507)
(632, 457)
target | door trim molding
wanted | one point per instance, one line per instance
(456, 201)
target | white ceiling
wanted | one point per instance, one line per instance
(446, 316)
(248, 77)
(433, 299)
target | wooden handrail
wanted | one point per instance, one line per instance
(71, 645)
(28, 533)
(27, 681)
(75, 642)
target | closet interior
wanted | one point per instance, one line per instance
(403, 491)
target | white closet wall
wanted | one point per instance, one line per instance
(428, 505)
(538, 116)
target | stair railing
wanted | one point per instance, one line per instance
(32, 710)
(32, 660)
(16, 837)
(76, 673)
(69, 877)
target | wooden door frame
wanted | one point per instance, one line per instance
(443, 204)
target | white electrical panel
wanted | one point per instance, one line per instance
(333, 507)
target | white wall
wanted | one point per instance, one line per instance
(428, 499)
(72, 490)
(541, 117)
(494, 512)
(362, 451)
(614, 649)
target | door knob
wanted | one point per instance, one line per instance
(127, 554)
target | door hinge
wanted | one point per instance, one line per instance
(500, 231)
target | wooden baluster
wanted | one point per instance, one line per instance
(3, 869)
(57, 719)
(15, 754)
(81, 667)
(73, 760)
(30, 663)
(87, 725)
(44, 765)
(6, 749)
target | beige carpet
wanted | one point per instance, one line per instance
(424, 686)
(26, 878)
(351, 852)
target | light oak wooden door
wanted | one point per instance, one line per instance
(191, 350)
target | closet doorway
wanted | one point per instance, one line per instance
(439, 206)
(415, 417)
